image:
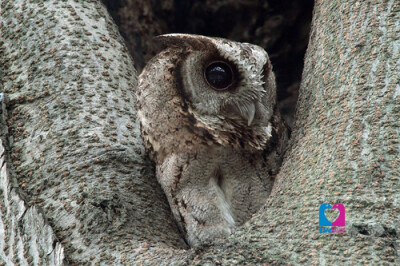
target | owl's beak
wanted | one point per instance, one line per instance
(245, 110)
(249, 113)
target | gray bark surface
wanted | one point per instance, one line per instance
(74, 146)
(79, 182)
(25, 236)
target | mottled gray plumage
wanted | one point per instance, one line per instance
(216, 151)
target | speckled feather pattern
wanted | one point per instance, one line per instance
(215, 169)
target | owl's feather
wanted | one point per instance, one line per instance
(216, 151)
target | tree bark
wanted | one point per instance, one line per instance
(76, 183)
(73, 144)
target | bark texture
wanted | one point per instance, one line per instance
(74, 146)
(25, 236)
(74, 150)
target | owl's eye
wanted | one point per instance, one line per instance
(219, 75)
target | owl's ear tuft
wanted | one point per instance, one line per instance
(181, 40)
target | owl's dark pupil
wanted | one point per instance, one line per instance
(219, 75)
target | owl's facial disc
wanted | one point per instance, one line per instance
(221, 77)
(225, 82)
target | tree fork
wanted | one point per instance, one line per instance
(77, 155)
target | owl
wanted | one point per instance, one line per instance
(208, 115)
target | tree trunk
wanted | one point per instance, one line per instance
(76, 183)
(73, 145)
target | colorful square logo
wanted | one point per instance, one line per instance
(326, 226)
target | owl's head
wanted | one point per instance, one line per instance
(223, 78)
(227, 87)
